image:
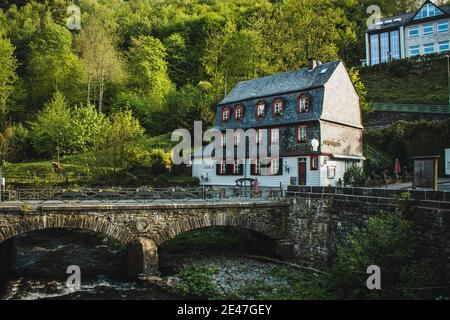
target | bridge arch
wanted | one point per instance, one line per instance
(23, 224)
(248, 222)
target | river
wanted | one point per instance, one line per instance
(39, 271)
(42, 260)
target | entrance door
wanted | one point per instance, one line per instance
(301, 172)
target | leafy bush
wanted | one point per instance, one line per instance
(195, 280)
(354, 176)
(386, 242)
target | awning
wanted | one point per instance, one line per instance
(346, 157)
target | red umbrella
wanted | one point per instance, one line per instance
(397, 167)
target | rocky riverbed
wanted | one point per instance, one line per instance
(42, 260)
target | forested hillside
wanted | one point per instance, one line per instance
(139, 69)
(408, 81)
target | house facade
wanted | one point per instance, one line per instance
(425, 31)
(312, 114)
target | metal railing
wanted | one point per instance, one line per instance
(145, 194)
(414, 108)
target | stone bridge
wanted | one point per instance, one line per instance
(306, 226)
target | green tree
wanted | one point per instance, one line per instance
(53, 67)
(7, 77)
(52, 131)
(103, 61)
(122, 137)
(148, 69)
(89, 128)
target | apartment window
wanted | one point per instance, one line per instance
(275, 136)
(428, 10)
(444, 46)
(314, 163)
(221, 168)
(225, 114)
(395, 44)
(256, 168)
(384, 47)
(238, 113)
(302, 134)
(260, 109)
(259, 136)
(303, 103)
(223, 140)
(414, 51)
(236, 167)
(275, 166)
(277, 107)
(428, 48)
(443, 27)
(428, 29)
(413, 32)
(374, 49)
(237, 138)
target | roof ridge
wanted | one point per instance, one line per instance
(295, 80)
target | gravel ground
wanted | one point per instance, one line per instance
(235, 272)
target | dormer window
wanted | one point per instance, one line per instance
(238, 113)
(277, 107)
(260, 109)
(302, 134)
(226, 114)
(304, 101)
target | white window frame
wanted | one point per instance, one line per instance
(303, 108)
(278, 107)
(414, 48)
(223, 167)
(238, 113)
(331, 172)
(274, 164)
(260, 110)
(277, 136)
(443, 23)
(447, 43)
(259, 136)
(258, 167)
(428, 33)
(237, 138)
(314, 163)
(413, 29)
(236, 164)
(226, 114)
(428, 45)
(223, 141)
(302, 133)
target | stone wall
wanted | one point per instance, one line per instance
(326, 216)
(143, 228)
(306, 227)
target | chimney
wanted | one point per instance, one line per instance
(312, 64)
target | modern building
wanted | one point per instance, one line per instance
(422, 32)
(313, 114)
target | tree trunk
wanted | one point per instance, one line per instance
(102, 89)
(89, 90)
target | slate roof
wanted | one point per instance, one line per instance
(405, 18)
(297, 80)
